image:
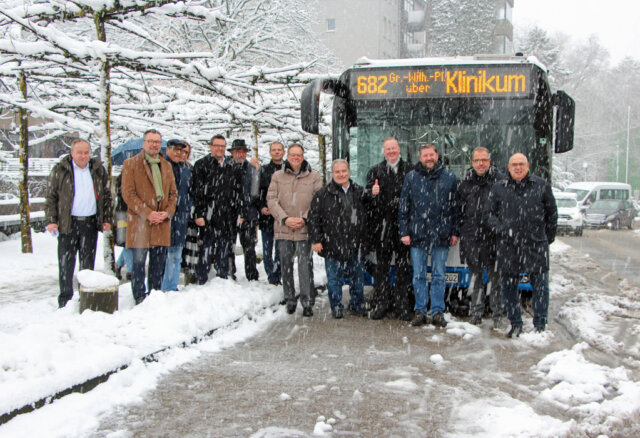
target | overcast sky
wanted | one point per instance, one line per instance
(616, 22)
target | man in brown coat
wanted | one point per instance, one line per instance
(149, 190)
(289, 199)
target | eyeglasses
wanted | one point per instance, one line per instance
(179, 150)
(294, 155)
(517, 164)
(481, 160)
(218, 145)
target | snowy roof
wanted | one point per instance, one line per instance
(365, 62)
(590, 185)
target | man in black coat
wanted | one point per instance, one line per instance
(521, 211)
(382, 192)
(218, 200)
(336, 229)
(270, 258)
(248, 228)
(477, 241)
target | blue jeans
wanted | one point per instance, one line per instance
(270, 258)
(540, 301)
(419, 258)
(157, 260)
(172, 268)
(353, 270)
(126, 259)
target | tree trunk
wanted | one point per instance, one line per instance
(105, 139)
(255, 138)
(25, 220)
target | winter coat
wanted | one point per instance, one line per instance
(429, 209)
(338, 220)
(251, 191)
(382, 209)
(217, 193)
(524, 218)
(139, 194)
(61, 190)
(182, 177)
(477, 241)
(265, 221)
(290, 195)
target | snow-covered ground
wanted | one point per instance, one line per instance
(589, 386)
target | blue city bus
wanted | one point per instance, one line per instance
(500, 102)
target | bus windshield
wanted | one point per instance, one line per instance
(579, 192)
(456, 126)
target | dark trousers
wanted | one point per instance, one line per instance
(540, 302)
(493, 291)
(398, 296)
(288, 250)
(157, 261)
(248, 240)
(213, 242)
(81, 240)
(270, 258)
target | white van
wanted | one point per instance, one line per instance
(570, 219)
(589, 192)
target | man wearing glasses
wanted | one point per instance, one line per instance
(289, 199)
(477, 241)
(521, 211)
(218, 200)
(177, 155)
(149, 189)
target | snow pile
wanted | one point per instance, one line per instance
(96, 280)
(44, 350)
(597, 395)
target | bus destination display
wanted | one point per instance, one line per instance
(446, 81)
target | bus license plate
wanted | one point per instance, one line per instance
(449, 277)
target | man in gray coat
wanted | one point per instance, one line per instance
(289, 199)
(78, 204)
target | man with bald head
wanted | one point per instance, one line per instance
(521, 210)
(78, 205)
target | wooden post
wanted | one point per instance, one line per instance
(98, 292)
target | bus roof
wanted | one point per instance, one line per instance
(590, 185)
(365, 62)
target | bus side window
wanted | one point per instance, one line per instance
(591, 198)
(606, 194)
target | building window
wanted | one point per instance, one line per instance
(331, 24)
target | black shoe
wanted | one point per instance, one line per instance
(418, 320)
(140, 299)
(291, 308)
(336, 312)
(439, 321)
(404, 316)
(515, 331)
(475, 320)
(358, 312)
(379, 313)
(539, 329)
(283, 302)
(307, 311)
(118, 272)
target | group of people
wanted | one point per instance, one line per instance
(407, 215)
(410, 215)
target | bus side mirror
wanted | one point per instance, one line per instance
(310, 102)
(565, 118)
(310, 106)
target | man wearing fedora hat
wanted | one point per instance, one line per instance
(248, 228)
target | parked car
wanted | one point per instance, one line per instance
(610, 213)
(570, 219)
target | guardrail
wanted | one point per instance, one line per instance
(37, 166)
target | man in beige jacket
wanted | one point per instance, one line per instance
(289, 199)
